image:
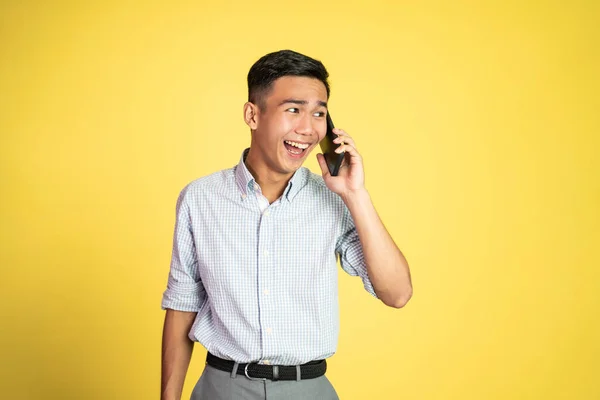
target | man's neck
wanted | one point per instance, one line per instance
(271, 184)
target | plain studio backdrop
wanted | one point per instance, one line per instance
(478, 123)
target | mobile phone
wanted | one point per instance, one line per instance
(333, 159)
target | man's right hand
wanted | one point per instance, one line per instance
(176, 352)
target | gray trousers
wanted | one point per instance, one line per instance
(215, 384)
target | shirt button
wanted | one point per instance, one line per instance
(269, 330)
(267, 362)
(266, 292)
(256, 187)
(266, 214)
(266, 253)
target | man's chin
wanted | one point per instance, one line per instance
(292, 164)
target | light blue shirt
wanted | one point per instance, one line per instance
(263, 280)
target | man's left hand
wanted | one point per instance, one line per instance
(351, 176)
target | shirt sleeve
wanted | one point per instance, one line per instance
(350, 251)
(185, 291)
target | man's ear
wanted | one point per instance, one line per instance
(251, 115)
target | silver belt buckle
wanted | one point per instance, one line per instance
(249, 377)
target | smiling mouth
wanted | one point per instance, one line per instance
(295, 148)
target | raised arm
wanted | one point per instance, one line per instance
(387, 267)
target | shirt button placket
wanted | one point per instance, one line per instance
(265, 265)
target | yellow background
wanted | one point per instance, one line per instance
(478, 123)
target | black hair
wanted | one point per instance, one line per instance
(281, 63)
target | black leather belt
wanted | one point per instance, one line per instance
(255, 371)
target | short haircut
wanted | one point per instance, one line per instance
(278, 64)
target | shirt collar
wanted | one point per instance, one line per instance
(245, 180)
(243, 177)
(298, 181)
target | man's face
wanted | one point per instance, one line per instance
(291, 123)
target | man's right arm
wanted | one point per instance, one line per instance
(176, 352)
(183, 298)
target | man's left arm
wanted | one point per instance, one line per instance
(387, 267)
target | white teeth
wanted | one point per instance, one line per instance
(302, 146)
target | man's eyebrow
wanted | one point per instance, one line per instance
(301, 102)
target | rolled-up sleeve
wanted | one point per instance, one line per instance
(350, 251)
(185, 291)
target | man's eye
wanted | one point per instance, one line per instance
(294, 110)
(319, 114)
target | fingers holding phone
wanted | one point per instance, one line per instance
(340, 176)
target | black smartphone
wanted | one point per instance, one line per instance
(333, 159)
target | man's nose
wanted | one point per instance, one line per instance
(306, 125)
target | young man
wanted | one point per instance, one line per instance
(253, 276)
